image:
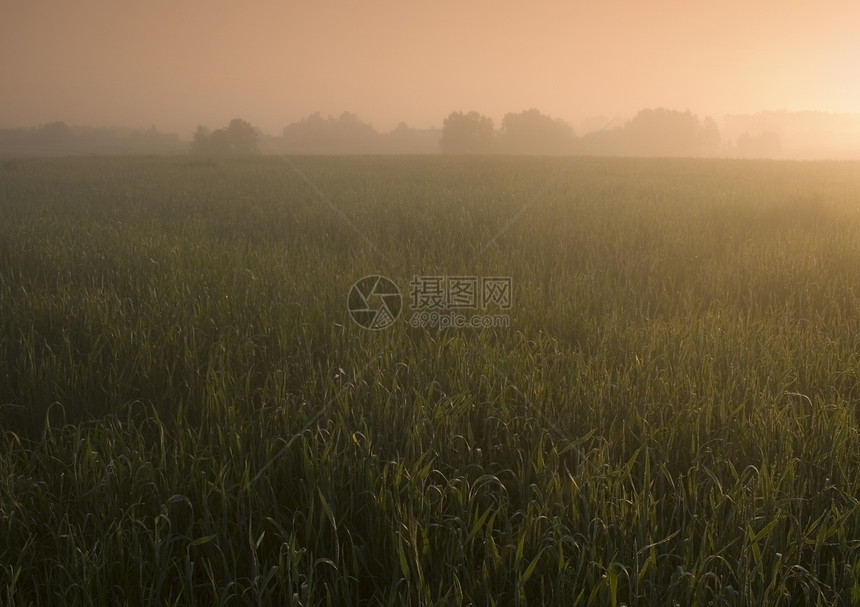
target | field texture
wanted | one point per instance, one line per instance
(190, 416)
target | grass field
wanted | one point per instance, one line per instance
(190, 416)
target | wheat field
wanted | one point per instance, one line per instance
(190, 416)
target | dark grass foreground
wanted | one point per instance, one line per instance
(190, 417)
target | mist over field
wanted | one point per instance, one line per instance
(774, 81)
(450, 304)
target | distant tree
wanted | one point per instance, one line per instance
(400, 134)
(470, 133)
(530, 132)
(349, 121)
(241, 137)
(307, 135)
(663, 132)
(352, 135)
(54, 132)
(238, 137)
(404, 139)
(710, 136)
(401, 129)
(200, 141)
(764, 145)
(346, 134)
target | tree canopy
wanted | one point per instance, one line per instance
(238, 137)
(530, 132)
(470, 133)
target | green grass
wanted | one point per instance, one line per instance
(190, 417)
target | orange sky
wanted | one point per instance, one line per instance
(184, 62)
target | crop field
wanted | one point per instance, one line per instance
(190, 413)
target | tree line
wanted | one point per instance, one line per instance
(654, 132)
(651, 132)
(58, 138)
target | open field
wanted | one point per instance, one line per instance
(190, 416)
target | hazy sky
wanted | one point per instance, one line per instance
(184, 62)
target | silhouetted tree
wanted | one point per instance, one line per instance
(404, 139)
(401, 129)
(241, 137)
(662, 132)
(763, 145)
(346, 134)
(54, 132)
(353, 135)
(470, 133)
(200, 141)
(530, 132)
(308, 135)
(710, 137)
(238, 137)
